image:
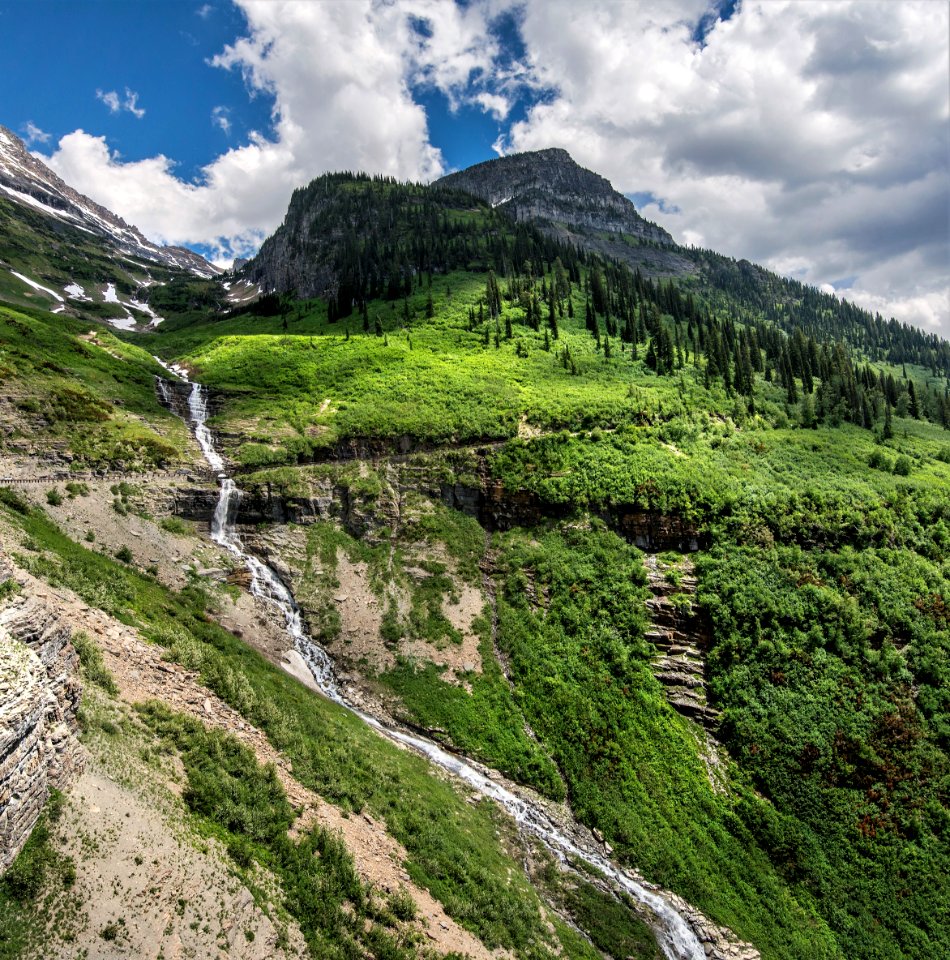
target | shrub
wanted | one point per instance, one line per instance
(174, 525)
(124, 554)
(8, 588)
(902, 466)
(402, 905)
(90, 658)
(53, 497)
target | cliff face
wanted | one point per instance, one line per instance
(39, 695)
(295, 257)
(548, 186)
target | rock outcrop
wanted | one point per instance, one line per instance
(719, 943)
(680, 638)
(549, 190)
(548, 186)
(39, 695)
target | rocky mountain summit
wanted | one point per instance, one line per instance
(340, 231)
(548, 186)
(549, 189)
(29, 182)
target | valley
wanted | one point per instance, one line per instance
(547, 604)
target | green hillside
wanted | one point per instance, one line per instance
(497, 412)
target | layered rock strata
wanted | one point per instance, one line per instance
(679, 636)
(39, 696)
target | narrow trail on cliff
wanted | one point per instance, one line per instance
(674, 935)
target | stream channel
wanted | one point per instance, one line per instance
(673, 934)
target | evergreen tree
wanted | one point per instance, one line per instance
(913, 407)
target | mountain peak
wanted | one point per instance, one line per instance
(550, 188)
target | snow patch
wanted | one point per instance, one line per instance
(76, 292)
(109, 295)
(122, 323)
(37, 286)
(146, 309)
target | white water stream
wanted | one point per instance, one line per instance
(674, 935)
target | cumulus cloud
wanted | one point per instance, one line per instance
(493, 103)
(811, 137)
(341, 75)
(117, 104)
(232, 222)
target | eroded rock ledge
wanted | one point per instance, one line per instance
(39, 695)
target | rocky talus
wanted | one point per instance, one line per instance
(39, 694)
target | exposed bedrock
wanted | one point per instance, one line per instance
(39, 696)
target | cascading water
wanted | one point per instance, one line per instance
(198, 405)
(163, 391)
(674, 935)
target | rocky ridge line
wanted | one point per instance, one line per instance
(548, 185)
(24, 176)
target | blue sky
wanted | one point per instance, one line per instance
(811, 137)
(160, 50)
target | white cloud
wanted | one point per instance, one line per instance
(806, 136)
(132, 104)
(341, 75)
(498, 106)
(231, 210)
(811, 137)
(110, 99)
(220, 118)
(204, 11)
(33, 134)
(116, 104)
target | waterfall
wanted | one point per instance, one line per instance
(164, 392)
(198, 406)
(674, 935)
